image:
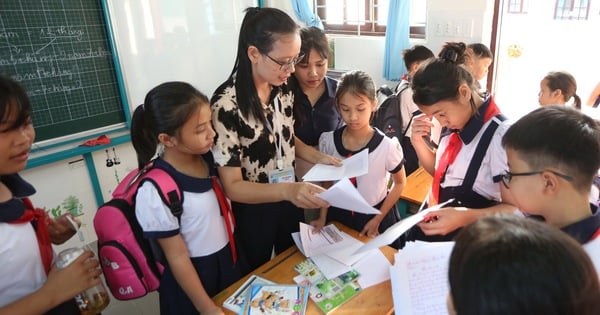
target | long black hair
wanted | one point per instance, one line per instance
(166, 108)
(261, 27)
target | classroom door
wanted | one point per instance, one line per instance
(535, 37)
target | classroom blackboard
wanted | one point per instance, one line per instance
(60, 52)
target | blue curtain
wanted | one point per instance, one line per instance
(304, 13)
(396, 39)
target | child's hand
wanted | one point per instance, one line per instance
(421, 127)
(60, 229)
(81, 274)
(317, 224)
(445, 220)
(371, 229)
(212, 310)
(329, 160)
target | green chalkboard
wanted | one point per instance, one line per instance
(60, 52)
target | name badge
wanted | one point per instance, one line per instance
(285, 175)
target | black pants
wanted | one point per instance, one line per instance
(262, 227)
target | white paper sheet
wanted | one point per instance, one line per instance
(374, 268)
(328, 238)
(345, 196)
(393, 232)
(593, 250)
(345, 253)
(420, 279)
(353, 166)
(330, 267)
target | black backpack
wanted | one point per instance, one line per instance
(388, 119)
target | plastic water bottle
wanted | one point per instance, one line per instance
(91, 301)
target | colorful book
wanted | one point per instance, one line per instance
(328, 294)
(276, 299)
(236, 300)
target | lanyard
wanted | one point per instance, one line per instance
(278, 142)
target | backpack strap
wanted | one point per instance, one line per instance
(403, 86)
(167, 188)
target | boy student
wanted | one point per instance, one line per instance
(553, 156)
(412, 59)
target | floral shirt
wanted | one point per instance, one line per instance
(247, 142)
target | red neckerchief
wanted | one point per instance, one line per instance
(452, 150)
(40, 219)
(227, 215)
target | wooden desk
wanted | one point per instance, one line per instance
(418, 184)
(373, 300)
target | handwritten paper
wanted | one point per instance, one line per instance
(419, 278)
(393, 232)
(344, 195)
(353, 166)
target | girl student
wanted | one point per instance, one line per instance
(356, 100)
(470, 158)
(255, 147)
(176, 119)
(29, 283)
(557, 88)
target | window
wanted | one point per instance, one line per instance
(516, 6)
(366, 17)
(572, 10)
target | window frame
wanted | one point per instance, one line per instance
(568, 8)
(370, 26)
(515, 3)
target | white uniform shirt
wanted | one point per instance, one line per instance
(385, 156)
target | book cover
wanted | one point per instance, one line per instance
(328, 294)
(276, 299)
(236, 300)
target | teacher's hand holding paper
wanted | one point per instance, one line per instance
(345, 196)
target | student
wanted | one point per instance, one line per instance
(176, 118)
(29, 283)
(478, 60)
(594, 99)
(507, 265)
(255, 147)
(413, 57)
(553, 156)
(356, 100)
(470, 157)
(557, 88)
(314, 93)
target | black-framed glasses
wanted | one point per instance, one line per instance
(508, 176)
(287, 66)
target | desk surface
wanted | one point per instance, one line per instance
(418, 184)
(373, 300)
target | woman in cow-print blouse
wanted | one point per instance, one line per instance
(255, 144)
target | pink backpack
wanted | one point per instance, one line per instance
(128, 260)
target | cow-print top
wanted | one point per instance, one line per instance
(247, 142)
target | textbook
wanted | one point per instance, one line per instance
(327, 294)
(236, 300)
(276, 299)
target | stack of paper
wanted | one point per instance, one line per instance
(333, 251)
(420, 278)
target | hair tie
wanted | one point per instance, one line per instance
(448, 55)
